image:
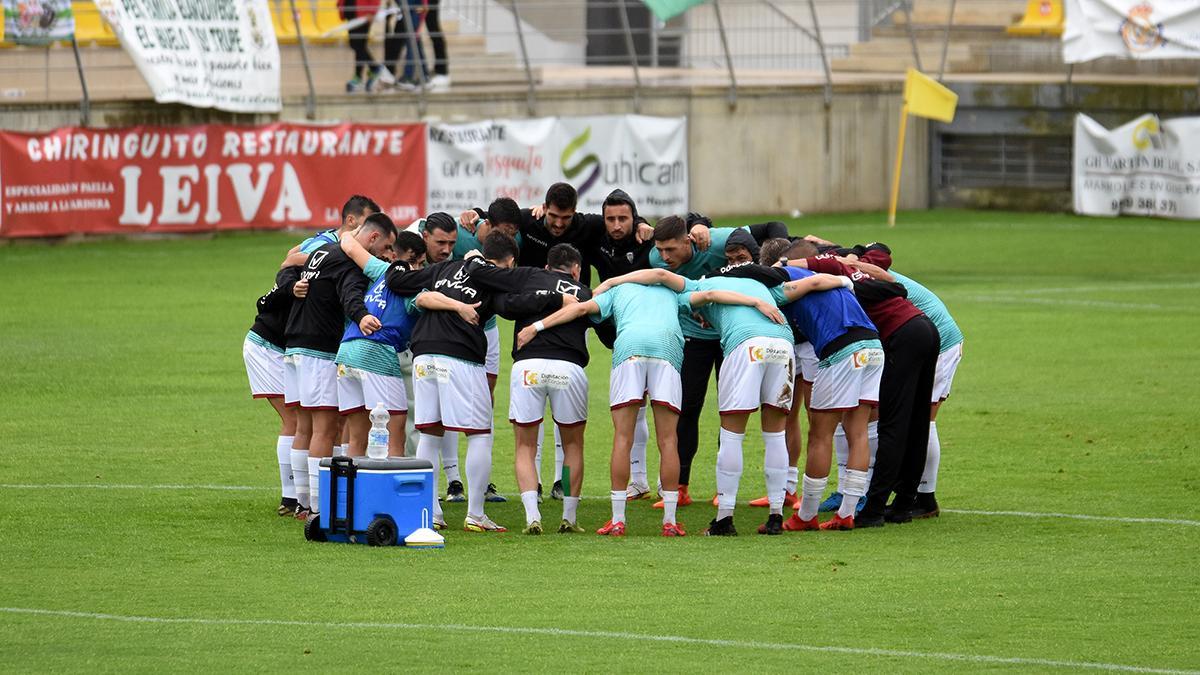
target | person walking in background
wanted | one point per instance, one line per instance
(441, 64)
(367, 72)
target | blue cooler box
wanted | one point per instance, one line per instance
(373, 501)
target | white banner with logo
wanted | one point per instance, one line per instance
(213, 54)
(1131, 29)
(472, 164)
(1146, 167)
(37, 22)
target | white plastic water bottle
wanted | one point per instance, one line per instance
(377, 439)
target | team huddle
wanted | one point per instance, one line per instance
(367, 316)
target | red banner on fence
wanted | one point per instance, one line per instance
(207, 177)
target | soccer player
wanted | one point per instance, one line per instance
(263, 351)
(368, 370)
(876, 259)
(844, 391)
(356, 209)
(440, 234)
(756, 374)
(625, 247)
(771, 251)
(680, 250)
(314, 330)
(647, 354)
(550, 367)
(450, 385)
(910, 345)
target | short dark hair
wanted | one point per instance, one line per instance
(503, 210)
(802, 248)
(772, 250)
(380, 222)
(410, 241)
(441, 221)
(670, 227)
(499, 246)
(562, 195)
(357, 205)
(563, 257)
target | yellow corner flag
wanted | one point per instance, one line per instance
(923, 97)
(926, 97)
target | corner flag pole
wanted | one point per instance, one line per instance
(896, 170)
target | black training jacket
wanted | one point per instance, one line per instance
(273, 308)
(335, 293)
(469, 281)
(539, 297)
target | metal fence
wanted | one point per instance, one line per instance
(535, 45)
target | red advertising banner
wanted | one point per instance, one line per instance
(206, 177)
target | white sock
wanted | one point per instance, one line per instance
(342, 450)
(637, 454)
(841, 450)
(479, 471)
(852, 490)
(618, 505)
(300, 476)
(558, 458)
(775, 460)
(873, 446)
(670, 502)
(314, 482)
(529, 501)
(449, 451)
(537, 456)
(570, 508)
(933, 456)
(793, 479)
(429, 448)
(729, 471)
(283, 453)
(810, 498)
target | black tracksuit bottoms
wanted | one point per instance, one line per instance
(904, 391)
(700, 358)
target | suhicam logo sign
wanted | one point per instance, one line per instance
(629, 171)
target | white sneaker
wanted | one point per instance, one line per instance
(385, 76)
(482, 524)
(637, 491)
(438, 83)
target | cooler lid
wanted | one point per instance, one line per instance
(388, 464)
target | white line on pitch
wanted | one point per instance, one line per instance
(640, 637)
(255, 488)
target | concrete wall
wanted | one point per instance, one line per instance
(779, 150)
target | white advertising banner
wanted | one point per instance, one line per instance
(205, 53)
(37, 22)
(472, 164)
(1145, 167)
(1131, 29)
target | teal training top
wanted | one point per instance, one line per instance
(647, 322)
(734, 323)
(702, 263)
(934, 308)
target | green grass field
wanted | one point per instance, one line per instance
(139, 487)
